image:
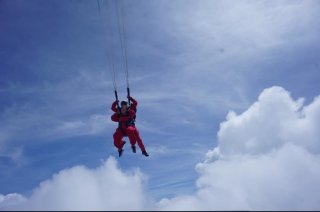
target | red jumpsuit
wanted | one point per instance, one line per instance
(125, 128)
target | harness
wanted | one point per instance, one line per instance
(129, 122)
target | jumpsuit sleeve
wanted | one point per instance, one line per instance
(114, 106)
(132, 113)
(134, 103)
(115, 117)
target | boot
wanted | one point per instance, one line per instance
(133, 147)
(120, 152)
(144, 152)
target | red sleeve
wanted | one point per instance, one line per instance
(115, 117)
(134, 103)
(132, 113)
(114, 106)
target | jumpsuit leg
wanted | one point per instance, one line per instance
(131, 135)
(117, 138)
(139, 140)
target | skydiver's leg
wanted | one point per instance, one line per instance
(117, 137)
(139, 140)
(121, 141)
(130, 133)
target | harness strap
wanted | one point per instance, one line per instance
(129, 122)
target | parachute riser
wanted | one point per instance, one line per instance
(128, 93)
(116, 94)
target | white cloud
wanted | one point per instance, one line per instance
(11, 200)
(80, 188)
(270, 122)
(285, 179)
(267, 159)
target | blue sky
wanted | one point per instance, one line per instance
(190, 62)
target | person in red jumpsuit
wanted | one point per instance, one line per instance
(125, 116)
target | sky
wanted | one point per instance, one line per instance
(228, 105)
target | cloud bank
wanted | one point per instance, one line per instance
(267, 158)
(80, 188)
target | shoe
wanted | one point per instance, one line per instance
(145, 153)
(120, 152)
(133, 147)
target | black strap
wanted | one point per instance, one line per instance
(128, 93)
(116, 94)
(129, 122)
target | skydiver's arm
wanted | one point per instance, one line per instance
(134, 102)
(114, 106)
(115, 117)
(132, 113)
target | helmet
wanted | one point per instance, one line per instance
(123, 103)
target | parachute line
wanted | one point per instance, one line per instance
(119, 13)
(122, 35)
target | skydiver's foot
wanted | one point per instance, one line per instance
(133, 147)
(120, 152)
(145, 153)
